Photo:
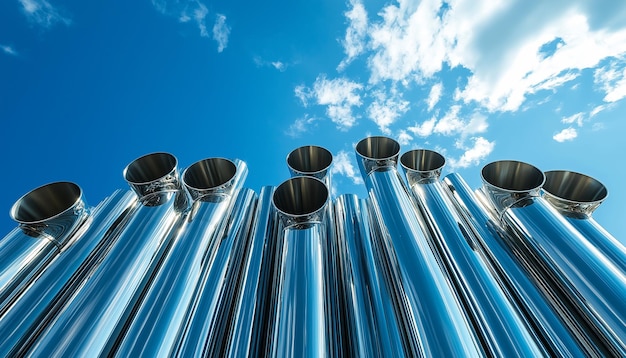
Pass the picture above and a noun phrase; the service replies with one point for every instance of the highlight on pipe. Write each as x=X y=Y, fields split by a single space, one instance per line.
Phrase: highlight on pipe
x=573 y=193
x=212 y=176
x=301 y=200
x=510 y=182
x=422 y=165
x=376 y=153
x=310 y=160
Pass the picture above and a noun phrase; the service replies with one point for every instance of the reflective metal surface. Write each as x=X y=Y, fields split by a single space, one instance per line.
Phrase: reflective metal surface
x=302 y=308
x=204 y=267
x=576 y=196
x=593 y=285
x=433 y=319
x=496 y=319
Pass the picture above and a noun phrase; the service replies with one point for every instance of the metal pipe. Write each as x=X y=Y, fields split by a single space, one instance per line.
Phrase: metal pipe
x=32 y=311
x=250 y=324
x=371 y=322
x=585 y=277
x=50 y=218
x=86 y=324
x=315 y=162
x=152 y=330
x=553 y=331
x=300 y=328
x=209 y=319
x=310 y=160
x=502 y=329
x=434 y=322
x=576 y=196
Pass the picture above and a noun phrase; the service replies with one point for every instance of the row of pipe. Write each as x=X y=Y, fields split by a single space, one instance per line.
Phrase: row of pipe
x=198 y=265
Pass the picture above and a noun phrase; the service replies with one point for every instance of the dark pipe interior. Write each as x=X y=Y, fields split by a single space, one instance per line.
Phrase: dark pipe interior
x=209 y=173
x=45 y=202
x=513 y=175
x=150 y=167
x=300 y=196
x=309 y=159
x=574 y=186
x=378 y=148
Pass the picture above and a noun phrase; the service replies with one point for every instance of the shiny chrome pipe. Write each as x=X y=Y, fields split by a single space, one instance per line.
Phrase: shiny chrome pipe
x=552 y=330
x=210 y=322
x=576 y=196
x=95 y=314
x=32 y=311
x=594 y=286
x=373 y=330
x=300 y=327
x=315 y=162
x=310 y=160
x=502 y=329
x=50 y=218
x=433 y=319
x=153 y=329
x=250 y=322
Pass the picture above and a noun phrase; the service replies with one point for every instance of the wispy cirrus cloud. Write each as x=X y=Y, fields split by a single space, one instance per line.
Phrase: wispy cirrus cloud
x=354 y=41
x=221 y=32
x=300 y=126
x=188 y=11
x=44 y=14
x=9 y=50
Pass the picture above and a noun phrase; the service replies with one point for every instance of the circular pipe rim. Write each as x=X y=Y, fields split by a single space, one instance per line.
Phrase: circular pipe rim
x=304 y=202
x=491 y=176
x=158 y=165
x=65 y=195
x=327 y=155
x=220 y=172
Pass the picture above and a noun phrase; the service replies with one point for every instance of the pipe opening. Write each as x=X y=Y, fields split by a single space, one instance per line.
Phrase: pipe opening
x=378 y=148
x=422 y=160
x=300 y=196
x=309 y=159
x=574 y=187
x=513 y=176
x=149 y=168
x=46 y=202
x=209 y=173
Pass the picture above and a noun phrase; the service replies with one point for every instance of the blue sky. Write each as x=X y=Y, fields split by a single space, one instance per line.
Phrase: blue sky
x=86 y=88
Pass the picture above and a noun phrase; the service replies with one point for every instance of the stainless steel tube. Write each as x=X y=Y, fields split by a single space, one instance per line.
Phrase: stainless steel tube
x=433 y=319
x=249 y=325
x=310 y=160
x=300 y=328
x=576 y=196
x=209 y=320
x=550 y=327
x=153 y=329
x=95 y=313
x=32 y=310
x=49 y=218
x=370 y=319
x=585 y=277
x=502 y=329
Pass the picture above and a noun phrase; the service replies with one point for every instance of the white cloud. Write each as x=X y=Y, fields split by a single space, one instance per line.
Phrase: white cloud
x=342 y=164
x=434 y=95
x=404 y=138
x=425 y=129
x=386 y=108
x=612 y=80
x=300 y=126
x=597 y=110
x=565 y=135
x=42 y=13
x=339 y=95
x=199 y=16
x=221 y=31
x=507 y=59
x=574 y=118
x=475 y=154
x=450 y=123
x=278 y=65
x=354 y=41
x=9 y=50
